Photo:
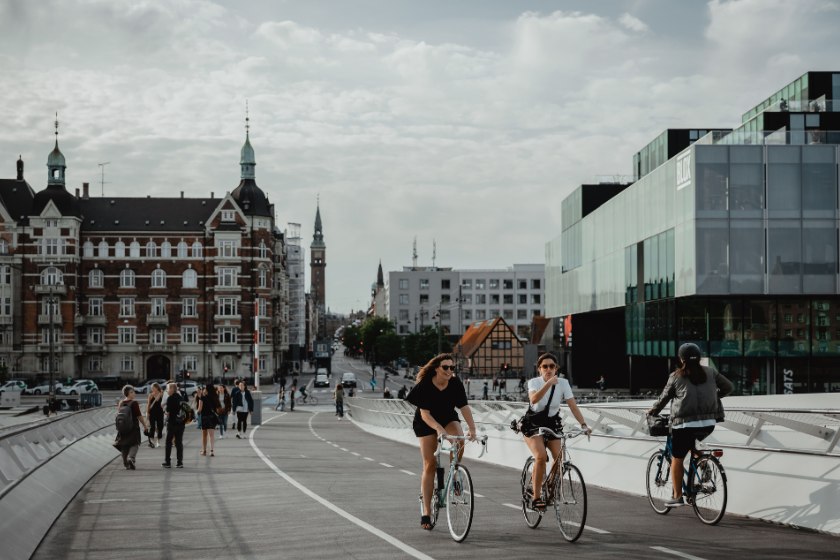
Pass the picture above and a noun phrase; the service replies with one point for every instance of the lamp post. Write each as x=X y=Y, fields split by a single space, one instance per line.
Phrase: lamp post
x=51 y=302
x=439 y=329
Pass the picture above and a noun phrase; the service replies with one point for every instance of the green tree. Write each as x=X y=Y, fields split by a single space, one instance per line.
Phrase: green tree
x=423 y=346
x=353 y=339
x=371 y=330
x=389 y=346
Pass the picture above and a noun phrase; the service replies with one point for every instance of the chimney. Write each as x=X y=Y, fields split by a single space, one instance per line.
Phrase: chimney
x=77 y=193
x=20 y=168
x=182 y=194
x=212 y=195
x=85 y=191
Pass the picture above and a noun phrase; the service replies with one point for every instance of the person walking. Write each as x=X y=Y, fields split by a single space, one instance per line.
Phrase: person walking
x=495 y=383
x=208 y=407
x=283 y=382
x=282 y=403
x=502 y=387
x=154 y=415
x=602 y=384
x=197 y=408
x=486 y=396
x=279 y=398
x=243 y=405
x=338 y=395
x=402 y=392
x=129 y=442
x=174 y=427
x=225 y=402
x=292 y=397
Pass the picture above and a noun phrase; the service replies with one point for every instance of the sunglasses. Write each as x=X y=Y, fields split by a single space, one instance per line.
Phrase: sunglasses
x=548 y=366
x=447 y=368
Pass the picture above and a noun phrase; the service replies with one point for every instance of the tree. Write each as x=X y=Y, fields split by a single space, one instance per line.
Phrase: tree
x=352 y=338
x=371 y=330
x=423 y=346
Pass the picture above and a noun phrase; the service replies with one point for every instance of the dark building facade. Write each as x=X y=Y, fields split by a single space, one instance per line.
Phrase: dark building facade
x=731 y=243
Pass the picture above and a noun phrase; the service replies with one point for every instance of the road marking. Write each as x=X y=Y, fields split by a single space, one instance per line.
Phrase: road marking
x=368 y=459
x=352 y=518
x=356 y=454
x=407 y=472
x=588 y=527
x=387 y=465
x=106 y=501
x=343 y=449
x=676 y=553
x=511 y=506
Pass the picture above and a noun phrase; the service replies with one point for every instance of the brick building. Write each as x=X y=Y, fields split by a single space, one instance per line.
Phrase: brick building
x=142 y=287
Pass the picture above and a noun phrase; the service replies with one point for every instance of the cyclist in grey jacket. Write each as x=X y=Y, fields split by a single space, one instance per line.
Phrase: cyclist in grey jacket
x=696 y=392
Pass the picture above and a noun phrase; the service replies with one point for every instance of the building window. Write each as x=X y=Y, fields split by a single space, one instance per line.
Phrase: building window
x=95 y=307
x=227 y=335
x=403 y=314
x=522 y=284
x=134 y=250
x=94 y=335
x=52 y=277
x=480 y=314
x=424 y=298
x=95 y=278
x=262 y=307
x=444 y=284
x=523 y=299
x=127 y=334
x=189 y=308
x=480 y=299
x=151 y=249
x=508 y=284
x=467 y=298
x=190 y=279
x=103 y=249
x=262 y=278
x=263 y=250
x=494 y=284
x=49 y=308
x=189 y=335
x=126 y=307
x=95 y=363
x=127 y=363
x=158 y=278
x=508 y=299
x=88 y=249
x=56 y=364
x=182 y=250
x=466 y=283
x=444 y=298
x=6 y=308
x=403 y=299
x=228 y=215
x=521 y=314
x=444 y=315
x=404 y=284
x=52 y=247
x=6 y=275
x=227 y=307
x=189 y=363
x=263 y=362
x=467 y=315
x=479 y=284
x=45 y=336
x=127 y=278
x=158 y=307
x=535 y=298
x=535 y=312
x=494 y=313
x=403 y=329
x=424 y=284
x=227 y=277
x=227 y=248
x=158 y=336
x=535 y=284
x=508 y=315
x=494 y=299
x=119 y=249
x=262 y=336
x=197 y=249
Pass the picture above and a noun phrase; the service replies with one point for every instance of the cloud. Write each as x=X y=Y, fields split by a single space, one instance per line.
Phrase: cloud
x=288 y=34
x=632 y=23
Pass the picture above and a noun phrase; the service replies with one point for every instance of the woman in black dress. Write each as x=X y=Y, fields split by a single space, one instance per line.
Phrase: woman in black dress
x=437 y=394
x=154 y=415
x=208 y=405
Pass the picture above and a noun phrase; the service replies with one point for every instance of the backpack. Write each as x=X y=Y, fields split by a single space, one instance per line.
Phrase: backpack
x=186 y=414
x=125 y=420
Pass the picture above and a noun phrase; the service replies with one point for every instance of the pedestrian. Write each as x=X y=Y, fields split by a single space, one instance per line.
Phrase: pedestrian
x=294 y=381
x=208 y=411
x=197 y=408
x=402 y=392
x=224 y=400
x=174 y=427
x=502 y=387
x=292 y=397
x=486 y=396
x=283 y=382
x=352 y=392
x=282 y=401
x=338 y=395
x=279 y=398
x=386 y=394
x=602 y=384
x=495 y=383
x=129 y=442
x=154 y=415
x=243 y=405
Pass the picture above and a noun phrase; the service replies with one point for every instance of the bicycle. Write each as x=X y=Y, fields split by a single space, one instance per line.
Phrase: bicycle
x=705 y=487
x=308 y=399
x=456 y=492
x=565 y=490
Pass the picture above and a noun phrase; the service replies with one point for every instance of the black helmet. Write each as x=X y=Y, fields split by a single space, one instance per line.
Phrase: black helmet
x=690 y=351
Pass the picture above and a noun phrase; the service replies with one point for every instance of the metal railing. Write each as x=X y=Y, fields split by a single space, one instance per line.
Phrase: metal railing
x=777 y=430
x=26 y=447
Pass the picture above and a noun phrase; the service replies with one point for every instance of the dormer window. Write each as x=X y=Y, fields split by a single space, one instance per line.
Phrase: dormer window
x=228 y=216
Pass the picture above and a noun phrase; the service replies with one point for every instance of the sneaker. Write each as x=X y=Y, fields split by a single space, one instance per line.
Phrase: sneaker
x=131 y=465
x=179 y=465
x=674 y=502
x=238 y=436
x=166 y=465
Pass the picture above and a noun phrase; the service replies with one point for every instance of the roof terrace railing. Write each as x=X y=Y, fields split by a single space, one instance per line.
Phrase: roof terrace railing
x=774 y=430
x=779 y=137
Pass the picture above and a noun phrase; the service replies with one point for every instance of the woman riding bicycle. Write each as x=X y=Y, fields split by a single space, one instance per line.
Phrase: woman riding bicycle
x=437 y=394
x=539 y=389
x=696 y=391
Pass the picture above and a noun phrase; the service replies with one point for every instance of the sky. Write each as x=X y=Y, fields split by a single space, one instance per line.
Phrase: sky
x=464 y=123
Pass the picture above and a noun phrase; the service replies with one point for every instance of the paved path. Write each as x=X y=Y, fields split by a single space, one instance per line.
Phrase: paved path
x=307 y=486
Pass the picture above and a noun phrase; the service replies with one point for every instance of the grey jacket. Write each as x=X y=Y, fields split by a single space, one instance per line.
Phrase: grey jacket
x=694 y=402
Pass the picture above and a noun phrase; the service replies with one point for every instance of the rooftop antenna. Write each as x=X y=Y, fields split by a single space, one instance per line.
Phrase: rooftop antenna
x=414 y=258
x=247 y=123
x=56 y=128
x=102 y=165
x=434 y=252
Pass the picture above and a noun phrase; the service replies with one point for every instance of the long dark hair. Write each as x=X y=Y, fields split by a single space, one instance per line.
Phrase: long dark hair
x=433 y=364
x=693 y=370
x=214 y=397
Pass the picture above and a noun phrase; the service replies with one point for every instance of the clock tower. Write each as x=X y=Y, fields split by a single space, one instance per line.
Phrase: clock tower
x=318 y=262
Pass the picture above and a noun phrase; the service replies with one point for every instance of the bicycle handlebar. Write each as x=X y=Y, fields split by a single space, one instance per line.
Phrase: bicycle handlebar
x=478 y=439
x=543 y=431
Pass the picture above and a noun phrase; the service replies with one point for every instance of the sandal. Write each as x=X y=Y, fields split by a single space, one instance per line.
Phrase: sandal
x=538 y=504
x=211 y=453
x=202 y=453
x=426 y=522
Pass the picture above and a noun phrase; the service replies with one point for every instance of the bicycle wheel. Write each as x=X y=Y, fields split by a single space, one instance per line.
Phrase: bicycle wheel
x=459 y=503
x=708 y=487
x=570 y=502
x=313 y=401
x=532 y=516
x=658 y=482
x=300 y=400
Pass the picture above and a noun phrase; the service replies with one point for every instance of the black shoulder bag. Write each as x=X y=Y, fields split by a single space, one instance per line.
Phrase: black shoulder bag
x=533 y=420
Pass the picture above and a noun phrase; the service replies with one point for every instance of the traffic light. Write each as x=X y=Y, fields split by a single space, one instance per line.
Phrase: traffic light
x=188 y=376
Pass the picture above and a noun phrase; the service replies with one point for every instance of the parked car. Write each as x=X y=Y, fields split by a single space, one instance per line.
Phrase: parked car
x=80 y=387
x=43 y=388
x=322 y=380
x=348 y=380
x=147 y=386
x=110 y=382
x=13 y=385
x=191 y=387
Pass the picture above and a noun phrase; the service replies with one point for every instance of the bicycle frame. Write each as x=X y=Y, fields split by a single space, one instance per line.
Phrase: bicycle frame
x=453 y=463
x=565 y=456
x=687 y=473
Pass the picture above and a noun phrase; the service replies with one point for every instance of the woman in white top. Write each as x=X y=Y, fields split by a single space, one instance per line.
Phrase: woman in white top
x=539 y=389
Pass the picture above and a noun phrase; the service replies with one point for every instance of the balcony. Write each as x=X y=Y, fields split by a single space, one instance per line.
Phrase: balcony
x=96 y=349
x=44 y=319
x=228 y=318
x=157 y=320
x=96 y=320
x=51 y=289
x=164 y=348
x=6 y=320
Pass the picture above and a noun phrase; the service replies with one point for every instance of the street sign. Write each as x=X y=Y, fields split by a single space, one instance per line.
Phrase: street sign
x=372 y=383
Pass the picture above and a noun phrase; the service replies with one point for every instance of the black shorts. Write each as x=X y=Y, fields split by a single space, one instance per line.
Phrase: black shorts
x=555 y=424
x=421 y=429
x=682 y=439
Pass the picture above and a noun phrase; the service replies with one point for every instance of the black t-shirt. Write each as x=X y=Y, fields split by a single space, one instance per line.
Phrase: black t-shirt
x=441 y=404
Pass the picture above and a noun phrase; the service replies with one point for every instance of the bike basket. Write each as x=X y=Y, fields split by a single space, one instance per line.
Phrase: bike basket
x=658 y=426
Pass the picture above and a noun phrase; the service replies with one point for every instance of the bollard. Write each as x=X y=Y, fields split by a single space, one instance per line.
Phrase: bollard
x=256 y=417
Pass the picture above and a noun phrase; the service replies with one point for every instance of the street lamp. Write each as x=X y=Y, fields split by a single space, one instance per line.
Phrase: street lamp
x=439 y=329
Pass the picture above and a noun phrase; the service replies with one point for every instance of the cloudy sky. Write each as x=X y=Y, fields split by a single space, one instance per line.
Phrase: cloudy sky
x=466 y=122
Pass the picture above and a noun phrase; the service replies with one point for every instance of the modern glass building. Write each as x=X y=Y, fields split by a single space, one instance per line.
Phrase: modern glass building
x=732 y=244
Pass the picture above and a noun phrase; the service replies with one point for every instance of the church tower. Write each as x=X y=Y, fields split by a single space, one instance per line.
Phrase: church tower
x=318 y=261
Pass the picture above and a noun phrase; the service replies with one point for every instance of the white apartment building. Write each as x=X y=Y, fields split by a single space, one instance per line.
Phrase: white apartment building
x=416 y=294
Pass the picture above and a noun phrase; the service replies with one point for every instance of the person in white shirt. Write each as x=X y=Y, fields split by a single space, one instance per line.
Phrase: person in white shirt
x=539 y=391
